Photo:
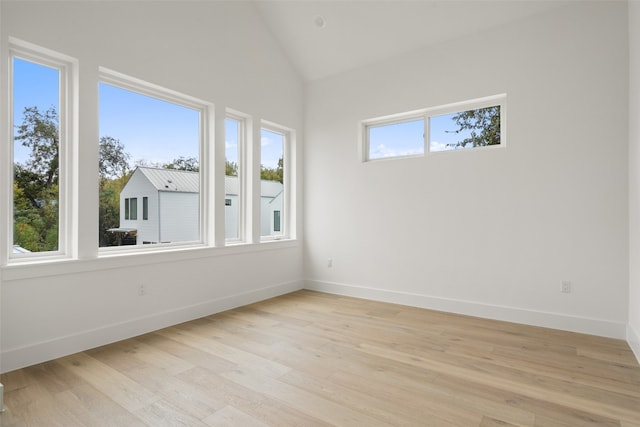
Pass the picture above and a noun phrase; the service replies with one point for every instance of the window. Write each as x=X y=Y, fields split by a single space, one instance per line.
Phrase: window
x=272 y=180
x=470 y=125
x=151 y=140
x=41 y=116
x=131 y=208
x=145 y=208
x=395 y=139
x=464 y=125
x=234 y=143
x=276 y=221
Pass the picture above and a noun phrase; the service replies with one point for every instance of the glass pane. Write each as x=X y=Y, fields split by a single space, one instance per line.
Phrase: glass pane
x=272 y=181
x=149 y=148
x=465 y=129
x=396 y=140
x=36 y=94
x=232 y=180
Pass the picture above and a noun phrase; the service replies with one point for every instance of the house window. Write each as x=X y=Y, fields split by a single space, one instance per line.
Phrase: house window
x=276 y=221
x=151 y=138
x=131 y=208
x=235 y=130
x=41 y=115
x=145 y=208
x=403 y=137
x=463 y=125
x=273 y=182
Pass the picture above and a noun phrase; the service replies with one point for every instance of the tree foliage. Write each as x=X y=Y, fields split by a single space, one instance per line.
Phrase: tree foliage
x=36 y=182
x=483 y=124
x=273 y=174
x=231 y=168
x=113 y=160
x=183 y=164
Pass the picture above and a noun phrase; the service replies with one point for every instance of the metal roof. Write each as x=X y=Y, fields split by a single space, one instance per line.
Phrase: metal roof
x=171 y=179
x=189 y=182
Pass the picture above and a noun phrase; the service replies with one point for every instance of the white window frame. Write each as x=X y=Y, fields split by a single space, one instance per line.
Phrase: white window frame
x=242 y=120
x=426 y=114
x=206 y=119
x=391 y=120
x=288 y=136
x=67 y=151
x=458 y=107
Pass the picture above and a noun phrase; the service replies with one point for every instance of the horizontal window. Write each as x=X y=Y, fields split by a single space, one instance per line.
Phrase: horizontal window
x=470 y=124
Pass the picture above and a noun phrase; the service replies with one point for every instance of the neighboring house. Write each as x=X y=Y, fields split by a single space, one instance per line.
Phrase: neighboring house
x=163 y=205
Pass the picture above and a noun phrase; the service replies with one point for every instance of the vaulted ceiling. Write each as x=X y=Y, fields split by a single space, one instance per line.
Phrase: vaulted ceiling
x=325 y=37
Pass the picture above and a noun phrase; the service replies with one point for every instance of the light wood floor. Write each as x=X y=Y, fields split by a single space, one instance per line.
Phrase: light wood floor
x=312 y=359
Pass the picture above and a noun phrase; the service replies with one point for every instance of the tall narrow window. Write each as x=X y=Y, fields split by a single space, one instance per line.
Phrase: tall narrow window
x=234 y=132
x=272 y=184
x=41 y=138
x=150 y=143
x=145 y=208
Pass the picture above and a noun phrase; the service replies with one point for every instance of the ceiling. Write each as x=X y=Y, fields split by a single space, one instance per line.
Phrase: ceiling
x=327 y=37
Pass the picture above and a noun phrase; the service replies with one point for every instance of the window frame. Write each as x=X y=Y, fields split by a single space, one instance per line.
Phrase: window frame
x=288 y=138
x=206 y=119
x=67 y=68
x=243 y=131
x=458 y=107
x=395 y=119
x=426 y=114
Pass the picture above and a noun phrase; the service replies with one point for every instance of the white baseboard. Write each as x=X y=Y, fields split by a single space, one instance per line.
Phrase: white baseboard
x=564 y=322
x=633 y=338
x=62 y=346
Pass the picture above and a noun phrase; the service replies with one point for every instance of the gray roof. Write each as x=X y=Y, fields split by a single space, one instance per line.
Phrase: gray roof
x=171 y=179
x=189 y=182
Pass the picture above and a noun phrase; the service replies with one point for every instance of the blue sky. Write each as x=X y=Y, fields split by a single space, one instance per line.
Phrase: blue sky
x=151 y=130
x=406 y=138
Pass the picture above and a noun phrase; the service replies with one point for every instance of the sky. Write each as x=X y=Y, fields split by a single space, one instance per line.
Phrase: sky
x=406 y=138
x=152 y=131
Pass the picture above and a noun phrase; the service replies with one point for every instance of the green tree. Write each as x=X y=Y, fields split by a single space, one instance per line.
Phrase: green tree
x=231 y=168
x=114 y=171
x=183 y=164
x=484 y=124
x=36 y=191
x=273 y=174
x=113 y=160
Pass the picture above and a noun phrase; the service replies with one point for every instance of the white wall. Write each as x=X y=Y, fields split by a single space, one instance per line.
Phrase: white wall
x=633 y=331
x=489 y=232
x=216 y=51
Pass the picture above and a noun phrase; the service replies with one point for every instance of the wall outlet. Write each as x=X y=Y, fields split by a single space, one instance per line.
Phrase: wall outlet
x=142 y=290
x=565 y=287
x=330 y=262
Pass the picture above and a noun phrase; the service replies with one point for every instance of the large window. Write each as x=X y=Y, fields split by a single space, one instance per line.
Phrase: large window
x=272 y=182
x=42 y=138
x=233 y=198
x=150 y=144
x=470 y=124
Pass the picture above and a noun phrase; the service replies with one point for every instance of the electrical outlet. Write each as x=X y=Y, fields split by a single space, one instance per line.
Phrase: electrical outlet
x=330 y=263
x=141 y=290
x=565 y=287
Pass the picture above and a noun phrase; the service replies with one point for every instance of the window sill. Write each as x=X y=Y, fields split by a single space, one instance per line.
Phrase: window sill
x=133 y=258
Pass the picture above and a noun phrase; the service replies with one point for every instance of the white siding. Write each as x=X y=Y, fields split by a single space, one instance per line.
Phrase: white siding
x=179 y=217
x=139 y=186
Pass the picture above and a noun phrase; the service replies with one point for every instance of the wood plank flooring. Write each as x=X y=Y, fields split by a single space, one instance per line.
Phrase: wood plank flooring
x=313 y=359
